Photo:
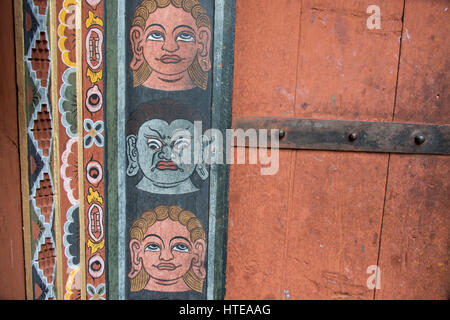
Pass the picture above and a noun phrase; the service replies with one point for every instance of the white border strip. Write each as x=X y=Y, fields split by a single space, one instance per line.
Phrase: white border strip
x=219 y=13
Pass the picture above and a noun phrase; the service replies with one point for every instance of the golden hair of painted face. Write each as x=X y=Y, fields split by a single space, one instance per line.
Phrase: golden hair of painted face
x=197 y=74
x=176 y=214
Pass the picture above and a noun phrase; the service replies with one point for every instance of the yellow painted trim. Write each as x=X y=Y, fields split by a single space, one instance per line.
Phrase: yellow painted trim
x=23 y=141
x=56 y=163
x=79 y=51
x=61 y=33
x=70 y=282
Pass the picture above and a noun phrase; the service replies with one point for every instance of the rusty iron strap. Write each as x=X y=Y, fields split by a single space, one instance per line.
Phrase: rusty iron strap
x=343 y=135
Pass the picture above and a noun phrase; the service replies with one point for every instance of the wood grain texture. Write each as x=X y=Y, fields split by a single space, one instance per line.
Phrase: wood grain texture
x=414 y=252
x=423 y=87
x=334 y=201
x=12 y=272
x=336 y=210
x=414 y=243
x=345 y=70
x=265 y=57
x=264 y=83
x=333 y=224
x=256 y=230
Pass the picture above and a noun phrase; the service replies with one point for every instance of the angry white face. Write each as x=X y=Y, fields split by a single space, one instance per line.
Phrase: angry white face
x=165 y=154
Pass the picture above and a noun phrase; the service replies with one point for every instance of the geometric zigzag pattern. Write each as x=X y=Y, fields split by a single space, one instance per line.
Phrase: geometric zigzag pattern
x=43 y=147
x=40 y=134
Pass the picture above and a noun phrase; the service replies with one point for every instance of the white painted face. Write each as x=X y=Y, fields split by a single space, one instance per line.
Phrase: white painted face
x=165 y=152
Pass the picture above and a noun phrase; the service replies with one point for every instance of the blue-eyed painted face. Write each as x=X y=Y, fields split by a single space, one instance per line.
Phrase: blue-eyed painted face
x=167 y=253
x=170 y=43
x=168 y=250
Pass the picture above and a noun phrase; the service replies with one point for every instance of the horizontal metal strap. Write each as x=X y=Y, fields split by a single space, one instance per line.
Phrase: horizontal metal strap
x=343 y=135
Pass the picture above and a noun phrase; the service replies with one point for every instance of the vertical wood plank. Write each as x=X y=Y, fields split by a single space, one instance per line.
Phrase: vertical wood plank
x=333 y=227
x=256 y=231
x=414 y=245
x=345 y=71
x=12 y=272
x=264 y=84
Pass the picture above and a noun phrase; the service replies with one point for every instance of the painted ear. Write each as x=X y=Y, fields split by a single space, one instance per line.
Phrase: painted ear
x=204 y=39
x=132 y=155
x=136 y=260
x=136 y=38
x=205 y=158
x=207 y=148
x=198 y=263
x=202 y=171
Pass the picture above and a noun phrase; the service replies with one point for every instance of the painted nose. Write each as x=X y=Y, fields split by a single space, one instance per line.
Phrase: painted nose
x=170 y=45
x=166 y=255
x=165 y=153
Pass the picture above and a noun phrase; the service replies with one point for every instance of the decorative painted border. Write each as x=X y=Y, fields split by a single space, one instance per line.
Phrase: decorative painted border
x=92 y=141
x=221 y=119
x=62 y=128
x=63 y=30
x=36 y=132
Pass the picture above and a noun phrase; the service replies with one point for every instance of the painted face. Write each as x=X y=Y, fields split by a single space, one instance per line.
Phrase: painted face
x=170 y=44
x=164 y=151
x=167 y=251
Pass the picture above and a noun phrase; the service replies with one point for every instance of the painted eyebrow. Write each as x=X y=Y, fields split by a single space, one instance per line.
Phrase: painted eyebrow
x=154 y=235
x=157 y=132
x=180 y=129
x=183 y=26
x=179 y=237
x=155 y=25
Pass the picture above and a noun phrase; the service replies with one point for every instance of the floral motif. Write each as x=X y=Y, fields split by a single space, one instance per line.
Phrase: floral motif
x=96 y=293
x=66 y=32
x=94 y=133
x=69 y=170
x=68 y=102
x=71 y=237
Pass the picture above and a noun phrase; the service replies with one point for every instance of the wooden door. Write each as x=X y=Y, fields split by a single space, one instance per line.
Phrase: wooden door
x=321 y=226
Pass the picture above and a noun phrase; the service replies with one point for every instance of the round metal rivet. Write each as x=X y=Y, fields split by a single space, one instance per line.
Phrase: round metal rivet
x=419 y=139
x=353 y=136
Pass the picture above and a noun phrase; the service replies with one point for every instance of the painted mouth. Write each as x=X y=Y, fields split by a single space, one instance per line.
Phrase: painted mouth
x=166 y=266
x=168 y=59
x=167 y=165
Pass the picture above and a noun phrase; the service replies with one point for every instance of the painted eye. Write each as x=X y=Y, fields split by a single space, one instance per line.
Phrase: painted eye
x=185 y=37
x=154 y=144
x=156 y=36
x=181 y=144
x=181 y=248
x=152 y=247
x=96 y=266
x=94 y=172
x=94 y=99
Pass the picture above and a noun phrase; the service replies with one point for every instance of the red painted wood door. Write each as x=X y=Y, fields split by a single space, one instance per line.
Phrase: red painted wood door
x=318 y=228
